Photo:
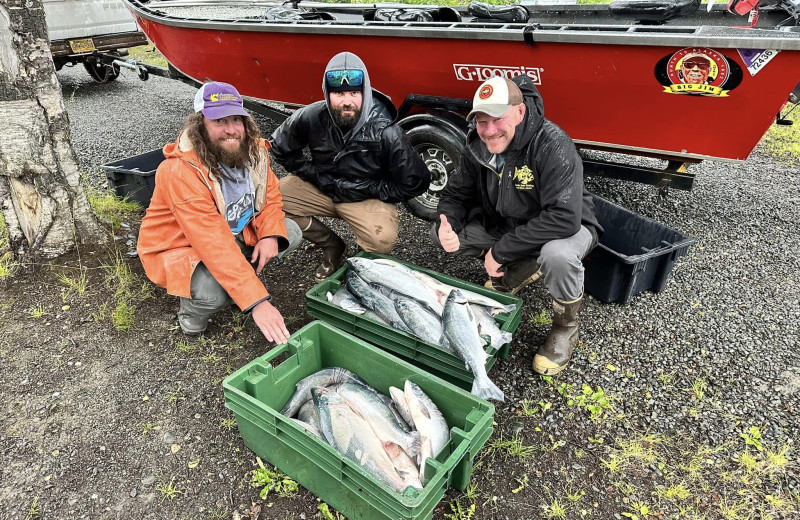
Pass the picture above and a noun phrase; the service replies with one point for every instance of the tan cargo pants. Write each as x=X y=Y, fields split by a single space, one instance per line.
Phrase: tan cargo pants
x=373 y=222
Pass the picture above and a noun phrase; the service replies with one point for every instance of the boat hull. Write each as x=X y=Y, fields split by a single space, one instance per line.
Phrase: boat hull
x=620 y=97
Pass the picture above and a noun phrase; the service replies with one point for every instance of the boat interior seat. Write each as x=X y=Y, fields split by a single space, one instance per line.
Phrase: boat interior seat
x=652 y=11
x=412 y=14
x=498 y=13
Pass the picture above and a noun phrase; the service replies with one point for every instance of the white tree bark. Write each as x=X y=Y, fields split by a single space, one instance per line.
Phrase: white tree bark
x=41 y=197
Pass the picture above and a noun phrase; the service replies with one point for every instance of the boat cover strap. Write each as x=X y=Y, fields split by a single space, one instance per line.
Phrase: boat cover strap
x=652 y=11
x=504 y=13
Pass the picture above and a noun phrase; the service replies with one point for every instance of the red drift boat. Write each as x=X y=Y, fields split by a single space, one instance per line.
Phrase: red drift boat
x=659 y=78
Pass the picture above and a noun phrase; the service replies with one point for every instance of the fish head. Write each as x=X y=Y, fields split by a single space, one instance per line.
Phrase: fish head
x=456 y=296
x=323 y=396
x=359 y=264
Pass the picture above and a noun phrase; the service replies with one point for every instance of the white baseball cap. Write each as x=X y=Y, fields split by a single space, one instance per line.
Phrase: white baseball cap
x=495 y=96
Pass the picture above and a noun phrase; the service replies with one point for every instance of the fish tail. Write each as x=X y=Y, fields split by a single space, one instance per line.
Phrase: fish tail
x=505 y=337
x=486 y=389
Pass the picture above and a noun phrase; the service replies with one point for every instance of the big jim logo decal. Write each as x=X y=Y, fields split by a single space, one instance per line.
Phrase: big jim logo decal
x=698 y=71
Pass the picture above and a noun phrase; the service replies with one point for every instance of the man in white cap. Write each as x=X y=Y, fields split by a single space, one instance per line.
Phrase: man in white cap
x=216 y=216
x=519 y=204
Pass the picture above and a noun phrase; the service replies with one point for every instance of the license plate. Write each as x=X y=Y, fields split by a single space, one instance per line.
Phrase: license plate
x=85 y=45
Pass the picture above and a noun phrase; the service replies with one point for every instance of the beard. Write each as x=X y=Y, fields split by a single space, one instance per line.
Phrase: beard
x=346 y=122
x=235 y=158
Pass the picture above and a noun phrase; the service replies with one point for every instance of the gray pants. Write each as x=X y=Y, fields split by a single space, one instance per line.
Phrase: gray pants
x=559 y=260
x=208 y=296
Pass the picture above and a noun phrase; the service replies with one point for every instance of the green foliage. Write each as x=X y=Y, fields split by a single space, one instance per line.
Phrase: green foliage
x=147 y=54
x=122 y=315
x=541 y=319
x=7 y=265
x=269 y=480
x=109 y=208
x=76 y=284
x=169 y=490
x=512 y=448
x=783 y=142
x=37 y=312
x=753 y=438
x=327 y=514
x=460 y=512
x=596 y=402
x=35 y=510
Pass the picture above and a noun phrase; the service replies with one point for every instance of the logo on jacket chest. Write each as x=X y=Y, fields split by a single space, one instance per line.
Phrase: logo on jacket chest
x=523 y=178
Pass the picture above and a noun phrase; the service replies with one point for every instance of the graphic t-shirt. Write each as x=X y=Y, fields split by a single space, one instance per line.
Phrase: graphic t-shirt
x=239 y=193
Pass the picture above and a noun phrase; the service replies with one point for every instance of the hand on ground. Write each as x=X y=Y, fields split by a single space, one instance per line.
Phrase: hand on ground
x=270 y=321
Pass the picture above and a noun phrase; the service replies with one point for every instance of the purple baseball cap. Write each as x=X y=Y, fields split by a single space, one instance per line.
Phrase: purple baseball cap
x=217 y=100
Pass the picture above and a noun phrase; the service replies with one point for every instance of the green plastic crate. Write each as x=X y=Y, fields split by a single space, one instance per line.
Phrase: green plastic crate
x=256 y=392
x=420 y=353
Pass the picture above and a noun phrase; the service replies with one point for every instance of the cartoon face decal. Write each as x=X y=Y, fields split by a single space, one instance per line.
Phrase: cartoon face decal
x=698 y=71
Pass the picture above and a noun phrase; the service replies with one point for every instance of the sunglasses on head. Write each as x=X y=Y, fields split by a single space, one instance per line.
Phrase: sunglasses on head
x=700 y=64
x=350 y=78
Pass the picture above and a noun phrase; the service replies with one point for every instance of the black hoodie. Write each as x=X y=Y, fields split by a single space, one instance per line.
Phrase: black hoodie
x=539 y=195
x=373 y=161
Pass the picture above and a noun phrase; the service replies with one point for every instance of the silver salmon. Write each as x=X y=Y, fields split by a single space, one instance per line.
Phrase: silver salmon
x=375 y=301
x=342 y=298
x=461 y=329
x=488 y=327
x=368 y=404
x=398 y=280
x=351 y=435
x=324 y=377
x=429 y=422
x=443 y=290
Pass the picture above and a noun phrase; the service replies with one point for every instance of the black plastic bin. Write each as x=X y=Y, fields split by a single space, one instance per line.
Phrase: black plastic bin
x=635 y=254
x=135 y=177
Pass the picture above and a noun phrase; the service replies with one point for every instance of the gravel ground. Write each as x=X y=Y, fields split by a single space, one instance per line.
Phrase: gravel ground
x=712 y=355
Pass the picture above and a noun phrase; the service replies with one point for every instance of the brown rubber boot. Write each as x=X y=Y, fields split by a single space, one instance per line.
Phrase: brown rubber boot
x=334 y=250
x=553 y=356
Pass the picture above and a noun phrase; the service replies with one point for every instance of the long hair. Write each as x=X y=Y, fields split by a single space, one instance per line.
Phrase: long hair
x=198 y=136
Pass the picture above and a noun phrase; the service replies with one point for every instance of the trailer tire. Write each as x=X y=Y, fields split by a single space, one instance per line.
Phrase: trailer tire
x=100 y=72
x=440 y=148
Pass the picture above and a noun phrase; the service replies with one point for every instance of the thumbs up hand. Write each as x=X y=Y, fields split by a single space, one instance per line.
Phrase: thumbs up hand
x=447 y=236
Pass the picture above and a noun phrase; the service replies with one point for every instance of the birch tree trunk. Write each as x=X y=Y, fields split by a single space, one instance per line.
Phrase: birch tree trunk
x=41 y=199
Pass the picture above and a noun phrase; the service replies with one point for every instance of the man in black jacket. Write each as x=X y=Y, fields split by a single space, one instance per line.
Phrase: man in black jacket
x=361 y=164
x=519 y=203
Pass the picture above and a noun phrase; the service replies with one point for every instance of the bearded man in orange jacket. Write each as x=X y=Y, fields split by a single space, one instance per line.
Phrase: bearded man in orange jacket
x=216 y=209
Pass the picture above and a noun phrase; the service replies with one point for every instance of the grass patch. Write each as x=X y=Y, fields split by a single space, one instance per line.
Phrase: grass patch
x=783 y=142
x=7 y=265
x=169 y=490
x=147 y=54
x=512 y=448
x=661 y=477
x=109 y=208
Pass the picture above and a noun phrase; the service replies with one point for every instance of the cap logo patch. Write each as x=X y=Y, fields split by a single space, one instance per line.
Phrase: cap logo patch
x=486 y=92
